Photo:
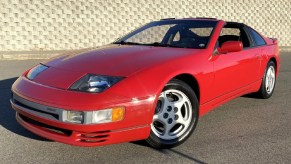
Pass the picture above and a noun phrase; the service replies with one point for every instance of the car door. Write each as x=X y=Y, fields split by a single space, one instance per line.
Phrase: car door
x=236 y=70
x=258 y=48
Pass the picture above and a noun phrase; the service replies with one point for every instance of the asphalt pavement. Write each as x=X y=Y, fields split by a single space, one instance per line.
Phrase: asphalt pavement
x=244 y=130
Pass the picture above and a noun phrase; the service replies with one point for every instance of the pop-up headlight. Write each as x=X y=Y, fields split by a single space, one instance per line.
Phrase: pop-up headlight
x=94 y=83
x=35 y=71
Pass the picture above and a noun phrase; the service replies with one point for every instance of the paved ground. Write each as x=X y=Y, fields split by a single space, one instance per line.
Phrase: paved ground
x=245 y=130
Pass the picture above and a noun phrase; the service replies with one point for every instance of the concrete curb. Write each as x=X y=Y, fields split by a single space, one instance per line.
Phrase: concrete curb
x=25 y=55
x=285 y=49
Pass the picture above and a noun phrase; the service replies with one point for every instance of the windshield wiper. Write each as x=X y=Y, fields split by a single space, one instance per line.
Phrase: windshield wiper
x=163 y=45
x=157 y=44
x=127 y=43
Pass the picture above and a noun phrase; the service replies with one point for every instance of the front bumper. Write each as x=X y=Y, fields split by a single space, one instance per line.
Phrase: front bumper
x=34 y=114
x=98 y=138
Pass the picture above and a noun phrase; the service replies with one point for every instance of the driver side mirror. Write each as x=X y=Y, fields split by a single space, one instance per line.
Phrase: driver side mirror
x=230 y=46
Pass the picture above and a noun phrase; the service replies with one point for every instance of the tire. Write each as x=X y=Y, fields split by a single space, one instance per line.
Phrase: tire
x=175 y=117
x=269 y=81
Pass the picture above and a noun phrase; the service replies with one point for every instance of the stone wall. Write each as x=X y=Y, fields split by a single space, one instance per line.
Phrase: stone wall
x=33 y=25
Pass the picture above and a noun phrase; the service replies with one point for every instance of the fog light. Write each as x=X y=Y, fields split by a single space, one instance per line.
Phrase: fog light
x=108 y=115
x=74 y=117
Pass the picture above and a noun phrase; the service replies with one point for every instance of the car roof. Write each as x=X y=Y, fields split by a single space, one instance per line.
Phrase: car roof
x=198 y=18
x=235 y=24
x=229 y=23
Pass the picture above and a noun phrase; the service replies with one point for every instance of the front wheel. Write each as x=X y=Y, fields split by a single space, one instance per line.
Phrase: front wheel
x=268 y=82
x=176 y=116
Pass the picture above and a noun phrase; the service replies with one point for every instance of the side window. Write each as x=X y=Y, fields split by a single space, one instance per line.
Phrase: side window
x=177 y=37
x=233 y=33
x=230 y=31
x=228 y=34
x=257 y=38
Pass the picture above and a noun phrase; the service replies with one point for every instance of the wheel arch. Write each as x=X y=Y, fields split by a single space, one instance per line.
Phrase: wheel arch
x=191 y=81
x=275 y=61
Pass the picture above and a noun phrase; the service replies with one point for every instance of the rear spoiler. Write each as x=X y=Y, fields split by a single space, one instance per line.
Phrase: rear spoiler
x=275 y=40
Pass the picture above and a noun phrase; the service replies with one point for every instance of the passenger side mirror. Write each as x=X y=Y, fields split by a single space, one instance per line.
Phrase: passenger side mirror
x=230 y=46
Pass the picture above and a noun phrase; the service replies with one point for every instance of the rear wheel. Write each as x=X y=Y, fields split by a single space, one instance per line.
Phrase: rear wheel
x=175 y=117
x=268 y=82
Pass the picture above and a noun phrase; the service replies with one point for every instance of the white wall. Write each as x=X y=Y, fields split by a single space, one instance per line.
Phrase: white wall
x=71 y=24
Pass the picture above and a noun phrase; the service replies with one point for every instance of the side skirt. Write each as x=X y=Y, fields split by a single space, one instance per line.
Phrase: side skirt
x=207 y=107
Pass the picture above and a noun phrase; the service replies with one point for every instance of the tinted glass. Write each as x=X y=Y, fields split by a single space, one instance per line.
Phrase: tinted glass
x=257 y=38
x=172 y=33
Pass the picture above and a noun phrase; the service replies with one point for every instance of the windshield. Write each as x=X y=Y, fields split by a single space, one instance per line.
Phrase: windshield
x=172 y=33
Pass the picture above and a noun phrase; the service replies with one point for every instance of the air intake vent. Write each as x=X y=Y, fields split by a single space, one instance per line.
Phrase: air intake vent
x=95 y=137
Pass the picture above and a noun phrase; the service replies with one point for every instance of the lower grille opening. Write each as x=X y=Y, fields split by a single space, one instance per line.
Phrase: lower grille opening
x=92 y=136
x=47 y=127
x=91 y=141
x=100 y=136
x=56 y=116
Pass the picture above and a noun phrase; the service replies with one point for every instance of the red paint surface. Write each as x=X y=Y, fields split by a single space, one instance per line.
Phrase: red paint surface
x=146 y=71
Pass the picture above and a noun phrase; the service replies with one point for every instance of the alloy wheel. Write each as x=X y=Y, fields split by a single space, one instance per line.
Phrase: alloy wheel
x=173 y=115
x=270 y=79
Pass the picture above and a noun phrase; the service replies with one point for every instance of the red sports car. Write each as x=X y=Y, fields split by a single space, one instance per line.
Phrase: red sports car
x=151 y=84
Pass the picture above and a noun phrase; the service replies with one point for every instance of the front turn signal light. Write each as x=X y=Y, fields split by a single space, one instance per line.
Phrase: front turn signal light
x=117 y=114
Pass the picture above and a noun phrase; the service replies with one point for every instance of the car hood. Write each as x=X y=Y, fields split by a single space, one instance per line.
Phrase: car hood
x=116 y=60
x=111 y=60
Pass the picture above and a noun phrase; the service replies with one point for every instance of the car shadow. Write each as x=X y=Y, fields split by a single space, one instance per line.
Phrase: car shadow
x=189 y=157
x=252 y=96
x=169 y=152
x=7 y=114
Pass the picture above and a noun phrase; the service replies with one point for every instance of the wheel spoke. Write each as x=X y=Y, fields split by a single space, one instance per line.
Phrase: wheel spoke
x=273 y=74
x=168 y=128
x=266 y=83
x=179 y=103
x=269 y=73
x=156 y=117
x=159 y=117
x=165 y=101
x=181 y=120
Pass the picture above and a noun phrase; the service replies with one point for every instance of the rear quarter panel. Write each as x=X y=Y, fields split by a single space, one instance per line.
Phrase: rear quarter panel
x=270 y=51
